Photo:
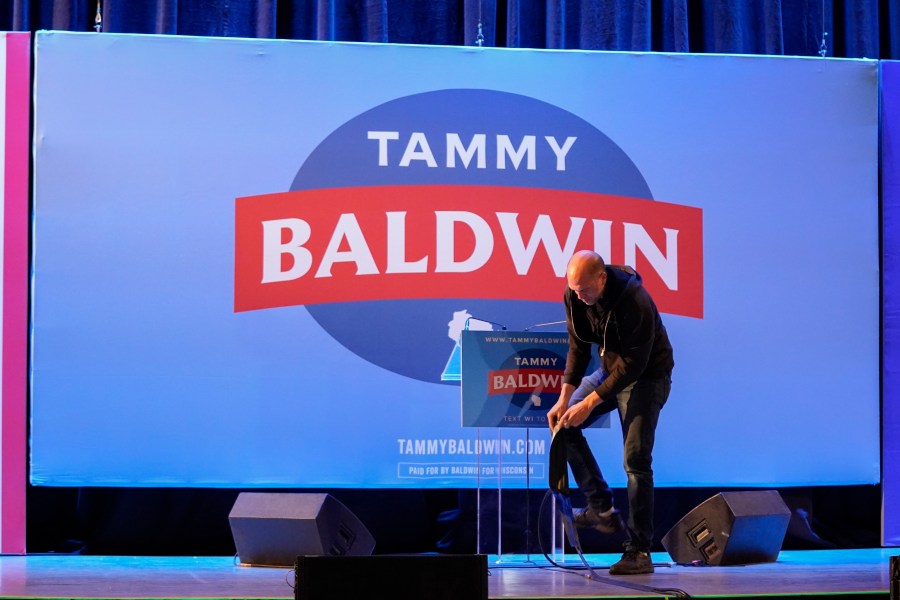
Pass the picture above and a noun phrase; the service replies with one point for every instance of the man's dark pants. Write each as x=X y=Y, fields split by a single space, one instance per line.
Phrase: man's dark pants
x=639 y=405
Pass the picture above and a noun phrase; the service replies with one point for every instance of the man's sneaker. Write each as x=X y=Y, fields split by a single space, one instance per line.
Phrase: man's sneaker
x=609 y=522
x=632 y=563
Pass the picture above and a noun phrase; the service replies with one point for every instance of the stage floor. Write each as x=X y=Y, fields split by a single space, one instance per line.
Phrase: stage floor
x=807 y=573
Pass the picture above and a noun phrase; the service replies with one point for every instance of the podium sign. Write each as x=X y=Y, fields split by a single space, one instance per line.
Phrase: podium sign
x=512 y=378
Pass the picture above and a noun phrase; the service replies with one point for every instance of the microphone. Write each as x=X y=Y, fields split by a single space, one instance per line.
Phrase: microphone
x=530 y=327
x=501 y=326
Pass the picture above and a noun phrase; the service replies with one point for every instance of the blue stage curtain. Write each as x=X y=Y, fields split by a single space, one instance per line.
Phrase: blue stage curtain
x=855 y=28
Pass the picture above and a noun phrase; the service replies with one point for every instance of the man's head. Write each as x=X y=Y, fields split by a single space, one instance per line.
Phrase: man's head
x=586 y=276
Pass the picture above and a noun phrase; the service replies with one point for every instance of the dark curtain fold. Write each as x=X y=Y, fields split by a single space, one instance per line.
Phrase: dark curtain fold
x=417 y=22
x=614 y=26
x=670 y=27
x=889 y=28
x=844 y=28
x=66 y=15
x=861 y=31
x=740 y=27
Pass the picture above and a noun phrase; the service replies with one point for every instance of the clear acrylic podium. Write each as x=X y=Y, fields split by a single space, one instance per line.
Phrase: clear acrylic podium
x=508 y=381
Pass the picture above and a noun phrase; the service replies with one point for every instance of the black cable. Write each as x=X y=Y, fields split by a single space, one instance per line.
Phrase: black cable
x=679 y=593
x=547 y=494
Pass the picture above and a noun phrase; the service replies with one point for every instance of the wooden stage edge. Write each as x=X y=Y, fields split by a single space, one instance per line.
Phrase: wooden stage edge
x=808 y=573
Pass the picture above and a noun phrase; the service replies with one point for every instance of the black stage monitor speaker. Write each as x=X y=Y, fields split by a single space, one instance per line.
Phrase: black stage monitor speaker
x=398 y=577
x=731 y=528
x=272 y=529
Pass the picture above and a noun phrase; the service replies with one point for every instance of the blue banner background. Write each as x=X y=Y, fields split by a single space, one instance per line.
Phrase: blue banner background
x=142 y=373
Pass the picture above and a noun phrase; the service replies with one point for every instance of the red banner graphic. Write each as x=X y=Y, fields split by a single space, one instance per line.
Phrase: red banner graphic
x=452 y=241
x=524 y=381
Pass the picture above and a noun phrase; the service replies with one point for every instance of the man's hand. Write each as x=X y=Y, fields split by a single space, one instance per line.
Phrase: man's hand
x=571 y=416
x=579 y=412
x=555 y=414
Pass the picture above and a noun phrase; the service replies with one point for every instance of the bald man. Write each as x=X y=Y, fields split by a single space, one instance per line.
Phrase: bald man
x=608 y=308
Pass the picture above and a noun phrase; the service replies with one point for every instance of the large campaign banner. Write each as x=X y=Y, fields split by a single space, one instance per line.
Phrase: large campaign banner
x=15 y=76
x=253 y=259
x=890 y=182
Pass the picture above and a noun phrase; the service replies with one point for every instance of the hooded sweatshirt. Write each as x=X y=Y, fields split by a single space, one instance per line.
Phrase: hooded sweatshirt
x=626 y=327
